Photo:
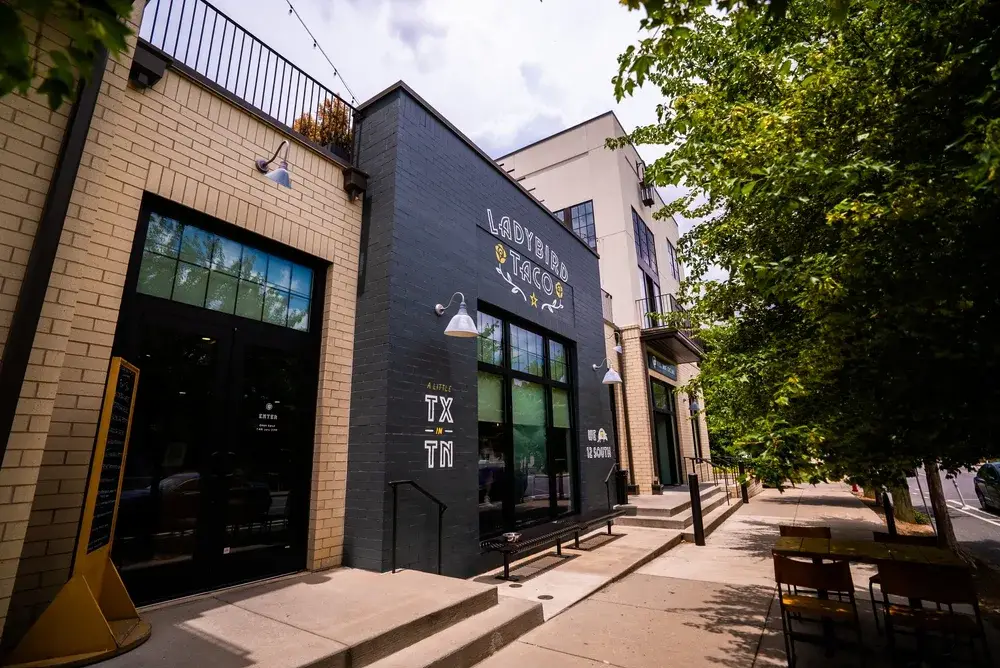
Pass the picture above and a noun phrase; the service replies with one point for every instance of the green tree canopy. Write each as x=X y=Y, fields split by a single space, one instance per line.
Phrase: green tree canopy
x=845 y=160
x=90 y=26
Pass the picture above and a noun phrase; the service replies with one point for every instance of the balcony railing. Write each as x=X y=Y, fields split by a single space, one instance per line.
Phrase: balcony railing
x=206 y=43
x=654 y=313
x=606 y=306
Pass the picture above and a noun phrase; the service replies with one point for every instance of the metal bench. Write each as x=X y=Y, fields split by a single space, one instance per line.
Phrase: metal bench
x=550 y=533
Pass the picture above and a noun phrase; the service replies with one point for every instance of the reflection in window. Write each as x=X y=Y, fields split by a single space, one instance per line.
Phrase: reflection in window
x=662 y=399
x=526 y=352
x=557 y=362
x=531 y=472
x=490 y=341
x=186 y=264
x=559 y=446
x=645 y=246
x=492 y=466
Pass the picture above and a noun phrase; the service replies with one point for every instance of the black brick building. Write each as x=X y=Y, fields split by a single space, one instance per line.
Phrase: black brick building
x=441 y=217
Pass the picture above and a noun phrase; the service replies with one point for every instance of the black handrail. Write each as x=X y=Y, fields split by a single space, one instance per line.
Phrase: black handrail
x=210 y=45
x=394 y=484
x=607 y=486
x=716 y=466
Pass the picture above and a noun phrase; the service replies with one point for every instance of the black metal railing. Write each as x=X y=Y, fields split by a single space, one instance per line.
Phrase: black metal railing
x=395 y=506
x=663 y=311
x=206 y=43
x=606 y=306
x=716 y=470
x=607 y=483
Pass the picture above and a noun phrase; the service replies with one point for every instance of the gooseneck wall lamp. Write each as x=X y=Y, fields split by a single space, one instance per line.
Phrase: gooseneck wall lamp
x=280 y=175
x=461 y=325
x=611 y=377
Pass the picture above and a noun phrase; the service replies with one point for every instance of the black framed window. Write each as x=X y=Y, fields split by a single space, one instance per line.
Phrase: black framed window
x=645 y=246
x=526 y=467
x=675 y=270
x=580 y=219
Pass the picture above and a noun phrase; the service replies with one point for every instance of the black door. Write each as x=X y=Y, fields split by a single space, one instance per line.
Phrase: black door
x=665 y=432
x=216 y=482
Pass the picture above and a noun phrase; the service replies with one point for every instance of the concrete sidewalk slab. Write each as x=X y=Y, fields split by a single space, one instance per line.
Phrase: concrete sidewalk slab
x=581 y=573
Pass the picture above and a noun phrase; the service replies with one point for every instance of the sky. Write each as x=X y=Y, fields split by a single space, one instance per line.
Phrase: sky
x=505 y=72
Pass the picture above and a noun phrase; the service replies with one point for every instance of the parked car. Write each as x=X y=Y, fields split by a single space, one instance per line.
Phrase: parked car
x=988 y=485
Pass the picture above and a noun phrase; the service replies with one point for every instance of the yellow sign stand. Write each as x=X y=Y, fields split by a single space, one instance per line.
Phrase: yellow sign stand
x=92 y=618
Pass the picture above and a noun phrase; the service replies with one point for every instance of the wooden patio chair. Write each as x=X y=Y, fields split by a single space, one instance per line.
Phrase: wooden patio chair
x=790 y=574
x=804 y=532
x=946 y=586
x=883 y=537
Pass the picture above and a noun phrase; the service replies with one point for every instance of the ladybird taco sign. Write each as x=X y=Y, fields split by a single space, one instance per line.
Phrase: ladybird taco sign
x=528 y=265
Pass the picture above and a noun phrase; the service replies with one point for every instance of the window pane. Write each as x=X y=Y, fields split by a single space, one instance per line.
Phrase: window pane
x=279 y=273
x=492 y=476
x=190 y=284
x=490 y=397
x=276 y=307
x=254 y=265
x=560 y=408
x=226 y=257
x=526 y=351
x=662 y=398
x=196 y=246
x=249 y=300
x=163 y=235
x=298 y=313
x=557 y=362
x=490 y=341
x=221 y=293
x=156 y=275
x=531 y=476
x=302 y=280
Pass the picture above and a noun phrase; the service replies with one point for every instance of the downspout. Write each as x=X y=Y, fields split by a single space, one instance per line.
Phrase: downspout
x=28 y=310
x=628 y=430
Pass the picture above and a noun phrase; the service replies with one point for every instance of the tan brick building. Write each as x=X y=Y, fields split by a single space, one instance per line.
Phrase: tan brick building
x=184 y=148
x=600 y=194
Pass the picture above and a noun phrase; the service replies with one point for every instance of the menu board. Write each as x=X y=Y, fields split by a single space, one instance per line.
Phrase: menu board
x=110 y=470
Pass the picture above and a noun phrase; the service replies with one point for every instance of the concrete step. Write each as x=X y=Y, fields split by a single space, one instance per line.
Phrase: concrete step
x=471 y=640
x=714 y=519
x=708 y=494
x=681 y=520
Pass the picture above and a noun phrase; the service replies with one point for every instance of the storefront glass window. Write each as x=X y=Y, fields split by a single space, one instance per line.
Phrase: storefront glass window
x=526 y=472
x=531 y=474
x=662 y=398
x=557 y=362
x=492 y=464
x=490 y=341
x=526 y=351
x=186 y=264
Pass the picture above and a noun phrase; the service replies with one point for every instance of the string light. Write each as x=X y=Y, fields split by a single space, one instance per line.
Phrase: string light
x=336 y=72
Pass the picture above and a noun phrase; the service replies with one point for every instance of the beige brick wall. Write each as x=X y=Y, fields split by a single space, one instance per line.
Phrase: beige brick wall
x=187 y=144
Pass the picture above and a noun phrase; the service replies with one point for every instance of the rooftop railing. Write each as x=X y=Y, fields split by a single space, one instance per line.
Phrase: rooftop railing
x=213 y=48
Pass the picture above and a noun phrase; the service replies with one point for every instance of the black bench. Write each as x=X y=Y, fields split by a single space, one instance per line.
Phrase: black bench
x=586 y=522
x=543 y=535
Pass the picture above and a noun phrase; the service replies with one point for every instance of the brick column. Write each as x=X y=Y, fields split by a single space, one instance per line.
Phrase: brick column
x=637 y=390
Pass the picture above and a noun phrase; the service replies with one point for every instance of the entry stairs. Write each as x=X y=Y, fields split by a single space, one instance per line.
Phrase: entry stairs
x=345 y=618
x=672 y=510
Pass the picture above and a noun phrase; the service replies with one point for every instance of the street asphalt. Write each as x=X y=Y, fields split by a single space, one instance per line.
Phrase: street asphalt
x=977 y=529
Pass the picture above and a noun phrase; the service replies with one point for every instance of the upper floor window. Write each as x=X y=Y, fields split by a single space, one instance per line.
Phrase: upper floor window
x=645 y=246
x=675 y=270
x=580 y=219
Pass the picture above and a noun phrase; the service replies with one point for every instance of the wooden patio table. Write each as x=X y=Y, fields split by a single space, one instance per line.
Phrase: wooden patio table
x=865 y=551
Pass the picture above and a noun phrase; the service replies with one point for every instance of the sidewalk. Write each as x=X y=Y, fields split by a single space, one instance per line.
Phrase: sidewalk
x=707 y=606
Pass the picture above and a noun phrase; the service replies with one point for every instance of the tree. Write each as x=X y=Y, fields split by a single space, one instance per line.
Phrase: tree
x=90 y=25
x=846 y=162
x=331 y=126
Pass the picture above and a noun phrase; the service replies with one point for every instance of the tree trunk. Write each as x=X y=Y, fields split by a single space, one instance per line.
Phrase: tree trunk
x=903 y=503
x=946 y=532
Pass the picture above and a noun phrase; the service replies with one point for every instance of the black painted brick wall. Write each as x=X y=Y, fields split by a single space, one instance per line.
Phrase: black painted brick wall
x=429 y=195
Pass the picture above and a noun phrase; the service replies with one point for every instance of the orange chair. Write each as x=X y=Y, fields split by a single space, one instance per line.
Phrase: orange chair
x=833 y=577
x=947 y=586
